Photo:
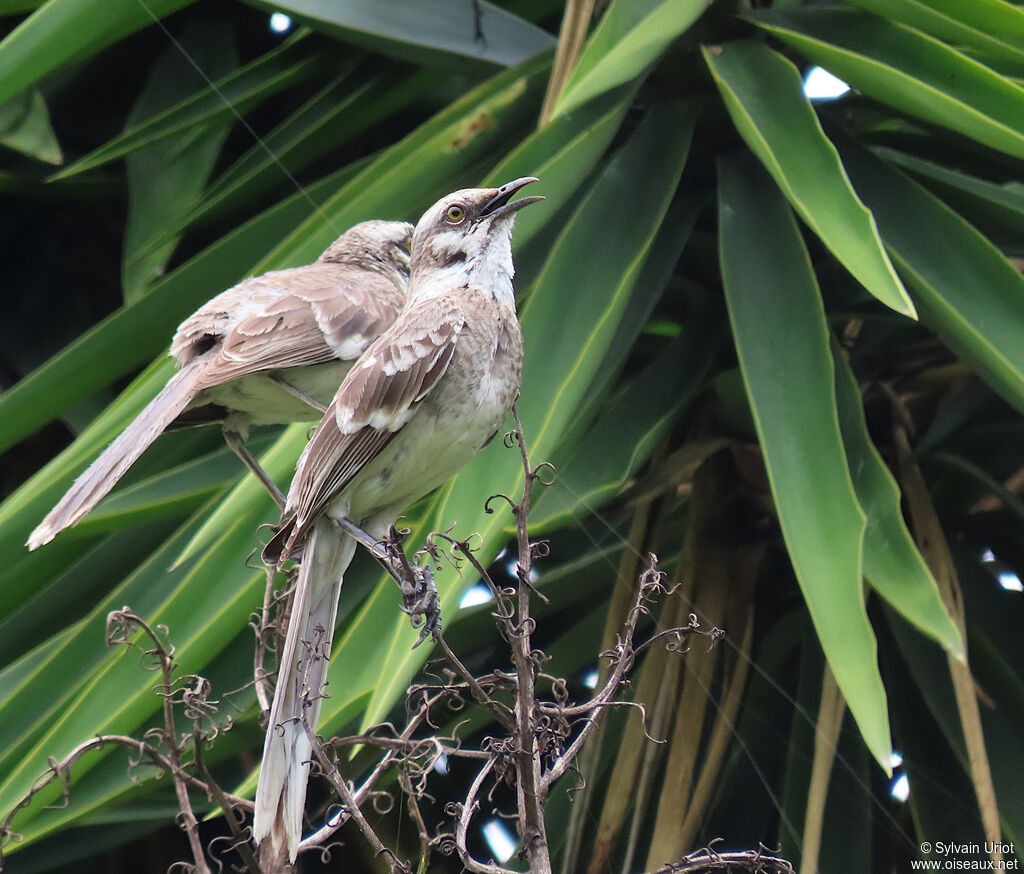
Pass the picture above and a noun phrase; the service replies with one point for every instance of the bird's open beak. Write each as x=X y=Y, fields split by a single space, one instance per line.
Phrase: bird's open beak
x=499 y=204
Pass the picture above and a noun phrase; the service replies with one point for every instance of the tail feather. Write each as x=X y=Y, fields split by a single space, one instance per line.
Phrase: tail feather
x=102 y=475
x=302 y=669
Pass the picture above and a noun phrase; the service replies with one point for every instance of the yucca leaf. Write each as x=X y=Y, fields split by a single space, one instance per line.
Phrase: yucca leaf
x=61 y=32
x=782 y=342
x=908 y=70
x=764 y=95
x=428 y=31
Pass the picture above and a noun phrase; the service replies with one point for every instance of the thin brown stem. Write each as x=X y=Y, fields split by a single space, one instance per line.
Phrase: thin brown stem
x=352 y=805
x=529 y=784
x=468 y=808
x=499 y=711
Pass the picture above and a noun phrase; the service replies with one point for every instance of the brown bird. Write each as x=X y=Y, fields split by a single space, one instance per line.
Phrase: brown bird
x=419 y=403
x=270 y=350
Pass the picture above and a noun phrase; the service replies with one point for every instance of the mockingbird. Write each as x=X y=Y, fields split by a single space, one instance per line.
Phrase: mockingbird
x=270 y=350
x=419 y=403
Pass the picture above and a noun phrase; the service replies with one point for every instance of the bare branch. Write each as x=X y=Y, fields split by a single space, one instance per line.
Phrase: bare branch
x=757 y=861
x=465 y=817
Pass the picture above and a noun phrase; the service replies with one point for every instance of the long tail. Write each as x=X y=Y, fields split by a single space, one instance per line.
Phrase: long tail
x=102 y=475
x=302 y=669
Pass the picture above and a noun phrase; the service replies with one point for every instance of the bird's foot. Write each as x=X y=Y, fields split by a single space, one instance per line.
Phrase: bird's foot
x=416 y=582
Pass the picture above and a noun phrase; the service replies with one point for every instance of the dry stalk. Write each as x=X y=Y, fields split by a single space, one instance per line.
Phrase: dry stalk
x=540 y=732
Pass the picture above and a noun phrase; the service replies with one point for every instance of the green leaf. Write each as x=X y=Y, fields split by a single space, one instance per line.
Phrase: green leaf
x=27 y=505
x=431 y=161
x=60 y=597
x=77 y=689
x=782 y=342
x=627 y=42
x=167 y=176
x=224 y=99
x=908 y=70
x=141 y=330
x=61 y=32
x=764 y=95
x=338 y=113
x=175 y=492
x=995 y=209
x=892 y=564
x=648 y=289
x=623 y=437
x=248 y=499
x=965 y=289
x=14 y=7
x=427 y=31
x=993 y=27
x=25 y=127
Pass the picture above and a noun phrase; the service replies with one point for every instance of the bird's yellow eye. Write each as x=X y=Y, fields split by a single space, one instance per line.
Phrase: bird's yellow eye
x=455 y=213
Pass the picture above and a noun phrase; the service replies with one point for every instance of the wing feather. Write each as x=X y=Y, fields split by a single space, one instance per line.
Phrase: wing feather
x=290 y=318
x=373 y=404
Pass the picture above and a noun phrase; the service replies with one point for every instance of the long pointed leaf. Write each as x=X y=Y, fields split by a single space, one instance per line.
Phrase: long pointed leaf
x=427 y=31
x=625 y=45
x=993 y=27
x=25 y=127
x=167 y=176
x=908 y=70
x=621 y=439
x=966 y=290
x=224 y=99
x=892 y=564
x=782 y=341
x=997 y=210
x=61 y=32
x=764 y=95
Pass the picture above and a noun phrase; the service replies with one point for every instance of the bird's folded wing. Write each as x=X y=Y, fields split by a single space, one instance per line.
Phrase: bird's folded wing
x=292 y=318
x=376 y=400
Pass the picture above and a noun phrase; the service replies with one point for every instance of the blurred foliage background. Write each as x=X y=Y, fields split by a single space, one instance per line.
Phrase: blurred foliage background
x=777 y=342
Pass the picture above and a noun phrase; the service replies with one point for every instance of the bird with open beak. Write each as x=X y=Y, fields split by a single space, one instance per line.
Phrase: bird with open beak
x=420 y=402
x=272 y=349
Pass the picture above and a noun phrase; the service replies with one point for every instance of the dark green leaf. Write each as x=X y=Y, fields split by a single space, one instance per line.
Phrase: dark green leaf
x=167 y=176
x=61 y=32
x=222 y=100
x=627 y=42
x=25 y=127
x=764 y=95
x=427 y=31
x=892 y=564
x=782 y=341
x=966 y=290
x=908 y=70
x=992 y=27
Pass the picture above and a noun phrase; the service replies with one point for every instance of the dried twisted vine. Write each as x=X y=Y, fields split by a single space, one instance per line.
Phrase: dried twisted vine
x=540 y=731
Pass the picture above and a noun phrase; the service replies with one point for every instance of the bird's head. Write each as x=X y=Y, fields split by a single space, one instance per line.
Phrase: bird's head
x=471 y=226
x=374 y=244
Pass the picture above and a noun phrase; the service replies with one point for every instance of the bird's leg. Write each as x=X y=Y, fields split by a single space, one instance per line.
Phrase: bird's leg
x=236 y=443
x=299 y=393
x=419 y=591
x=361 y=535
x=420 y=599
